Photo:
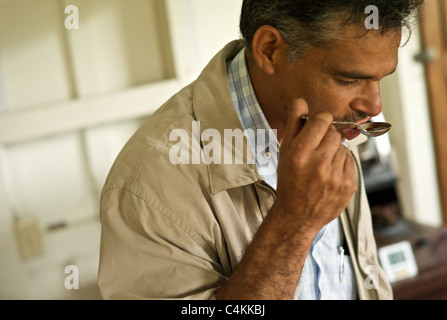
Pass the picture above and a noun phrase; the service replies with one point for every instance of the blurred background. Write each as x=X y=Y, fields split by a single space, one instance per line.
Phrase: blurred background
x=76 y=84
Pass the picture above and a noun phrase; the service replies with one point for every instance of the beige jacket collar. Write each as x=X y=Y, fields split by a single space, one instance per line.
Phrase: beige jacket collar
x=214 y=109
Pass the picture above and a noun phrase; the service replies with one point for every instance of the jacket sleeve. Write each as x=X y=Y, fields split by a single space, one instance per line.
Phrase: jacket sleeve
x=148 y=252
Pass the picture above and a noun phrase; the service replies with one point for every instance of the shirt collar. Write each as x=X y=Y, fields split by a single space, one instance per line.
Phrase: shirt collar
x=248 y=109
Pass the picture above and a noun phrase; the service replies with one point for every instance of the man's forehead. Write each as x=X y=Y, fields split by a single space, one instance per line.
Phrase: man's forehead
x=354 y=56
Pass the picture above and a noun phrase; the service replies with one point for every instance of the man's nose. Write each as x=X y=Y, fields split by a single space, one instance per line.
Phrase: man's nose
x=371 y=102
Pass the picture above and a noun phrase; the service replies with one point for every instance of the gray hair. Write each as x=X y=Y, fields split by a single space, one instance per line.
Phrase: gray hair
x=317 y=23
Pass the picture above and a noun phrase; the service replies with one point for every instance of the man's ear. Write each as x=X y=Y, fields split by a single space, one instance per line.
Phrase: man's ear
x=268 y=48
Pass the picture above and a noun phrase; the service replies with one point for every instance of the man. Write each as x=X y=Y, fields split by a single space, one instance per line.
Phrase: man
x=293 y=225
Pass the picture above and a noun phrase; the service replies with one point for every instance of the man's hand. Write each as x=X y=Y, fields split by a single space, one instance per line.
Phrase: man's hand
x=316 y=172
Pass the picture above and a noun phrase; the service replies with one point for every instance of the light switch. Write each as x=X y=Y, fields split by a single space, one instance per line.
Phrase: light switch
x=29 y=237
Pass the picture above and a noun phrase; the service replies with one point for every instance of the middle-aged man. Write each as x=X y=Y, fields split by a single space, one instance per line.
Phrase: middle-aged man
x=180 y=219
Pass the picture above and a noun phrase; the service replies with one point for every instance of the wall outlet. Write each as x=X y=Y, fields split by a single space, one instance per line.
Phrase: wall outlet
x=29 y=237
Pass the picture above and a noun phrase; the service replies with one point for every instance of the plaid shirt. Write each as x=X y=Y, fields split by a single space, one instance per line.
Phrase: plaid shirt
x=324 y=276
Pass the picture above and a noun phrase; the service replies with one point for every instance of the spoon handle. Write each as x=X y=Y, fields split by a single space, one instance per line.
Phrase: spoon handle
x=334 y=122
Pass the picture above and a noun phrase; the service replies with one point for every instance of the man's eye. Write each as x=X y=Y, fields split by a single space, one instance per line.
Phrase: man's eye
x=346 y=83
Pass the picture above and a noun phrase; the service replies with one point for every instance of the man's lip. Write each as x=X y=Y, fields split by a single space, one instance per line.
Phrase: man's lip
x=364 y=121
x=351 y=133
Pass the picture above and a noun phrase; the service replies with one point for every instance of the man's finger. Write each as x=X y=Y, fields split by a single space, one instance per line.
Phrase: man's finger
x=294 y=122
x=331 y=142
x=313 y=133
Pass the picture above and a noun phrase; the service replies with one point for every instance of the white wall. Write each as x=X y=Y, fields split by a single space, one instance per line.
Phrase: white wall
x=406 y=107
x=200 y=28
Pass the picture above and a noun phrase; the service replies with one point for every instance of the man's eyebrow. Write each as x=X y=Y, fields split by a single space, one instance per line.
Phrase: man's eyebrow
x=357 y=75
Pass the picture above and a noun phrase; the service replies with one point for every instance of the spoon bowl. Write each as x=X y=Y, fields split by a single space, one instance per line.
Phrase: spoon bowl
x=370 y=129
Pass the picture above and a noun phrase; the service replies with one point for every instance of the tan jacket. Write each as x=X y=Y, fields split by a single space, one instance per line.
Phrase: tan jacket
x=179 y=231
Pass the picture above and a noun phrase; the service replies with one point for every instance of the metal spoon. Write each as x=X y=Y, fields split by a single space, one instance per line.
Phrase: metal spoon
x=370 y=129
